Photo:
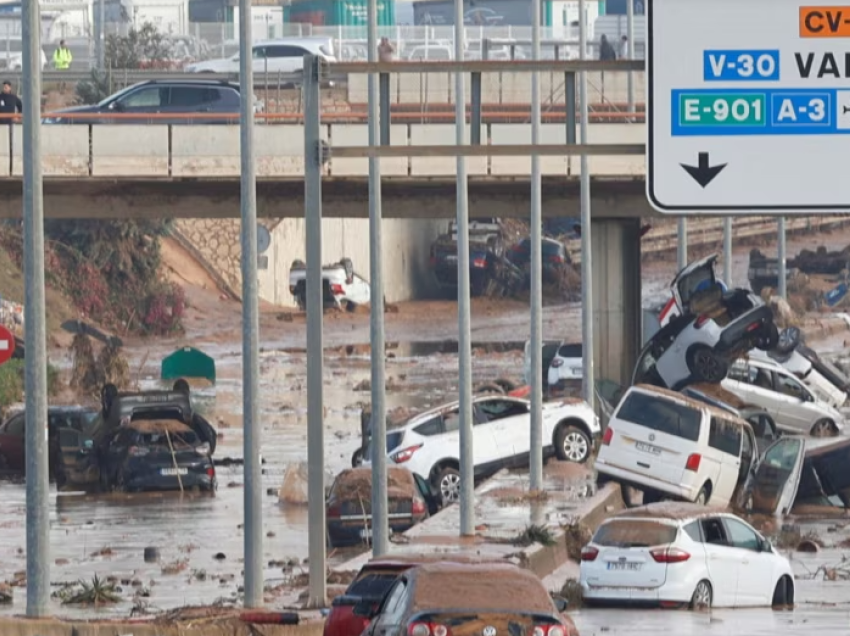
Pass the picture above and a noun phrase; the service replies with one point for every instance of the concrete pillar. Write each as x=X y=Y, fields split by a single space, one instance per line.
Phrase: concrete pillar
x=617 y=301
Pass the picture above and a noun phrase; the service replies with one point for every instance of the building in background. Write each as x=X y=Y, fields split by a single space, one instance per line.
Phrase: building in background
x=496 y=13
x=338 y=12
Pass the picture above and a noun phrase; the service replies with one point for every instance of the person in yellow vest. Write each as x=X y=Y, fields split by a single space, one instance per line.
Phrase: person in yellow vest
x=62 y=57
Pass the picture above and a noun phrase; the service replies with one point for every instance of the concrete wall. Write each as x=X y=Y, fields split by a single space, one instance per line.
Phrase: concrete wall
x=195 y=151
x=406 y=247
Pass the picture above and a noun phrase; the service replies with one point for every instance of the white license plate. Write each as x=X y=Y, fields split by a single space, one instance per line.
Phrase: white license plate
x=647 y=448
x=623 y=565
x=366 y=533
x=173 y=472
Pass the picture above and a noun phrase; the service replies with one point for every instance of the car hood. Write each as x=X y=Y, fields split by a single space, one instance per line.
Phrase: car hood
x=688 y=279
x=89 y=108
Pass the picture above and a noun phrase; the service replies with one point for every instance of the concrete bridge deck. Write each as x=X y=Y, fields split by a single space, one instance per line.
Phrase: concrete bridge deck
x=130 y=171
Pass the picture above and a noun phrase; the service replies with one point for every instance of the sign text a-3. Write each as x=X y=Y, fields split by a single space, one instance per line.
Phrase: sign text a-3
x=731 y=65
x=825 y=22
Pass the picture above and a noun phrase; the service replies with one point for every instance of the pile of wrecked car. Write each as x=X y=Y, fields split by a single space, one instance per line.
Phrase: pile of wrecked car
x=726 y=411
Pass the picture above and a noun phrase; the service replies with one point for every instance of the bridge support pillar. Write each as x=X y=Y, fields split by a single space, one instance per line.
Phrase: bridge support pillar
x=617 y=299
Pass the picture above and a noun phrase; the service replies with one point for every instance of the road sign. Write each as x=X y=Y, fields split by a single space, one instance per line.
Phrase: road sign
x=7 y=344
x=749 y=106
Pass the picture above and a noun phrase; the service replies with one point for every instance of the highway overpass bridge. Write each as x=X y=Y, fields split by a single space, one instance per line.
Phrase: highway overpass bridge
x=192 y=171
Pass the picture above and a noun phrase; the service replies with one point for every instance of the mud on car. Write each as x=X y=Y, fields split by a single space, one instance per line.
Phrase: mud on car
x=149 y=440
x=713 y=327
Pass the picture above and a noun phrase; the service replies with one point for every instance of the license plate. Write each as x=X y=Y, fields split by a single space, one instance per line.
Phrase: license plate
x=366 y=533
x=173 y=472
x=623 y=565
x=647 y=448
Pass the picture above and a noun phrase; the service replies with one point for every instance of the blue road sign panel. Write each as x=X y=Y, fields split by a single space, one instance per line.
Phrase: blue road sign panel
x=740 y=65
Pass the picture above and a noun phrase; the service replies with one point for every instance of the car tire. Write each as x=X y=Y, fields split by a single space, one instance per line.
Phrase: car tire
x=789 y=339
x=705 y=366
x=824 y=428
x=702 y=597
x=703 y=496
x=769 y=338
x=572 y=444
x=507 y=385
x=357 y=458
x=448 y=485
x=490 y=388
x=780 y=593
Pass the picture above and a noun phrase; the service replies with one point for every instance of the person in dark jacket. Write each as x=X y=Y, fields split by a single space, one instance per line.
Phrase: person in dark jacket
x=9 y=102
x=606 y=54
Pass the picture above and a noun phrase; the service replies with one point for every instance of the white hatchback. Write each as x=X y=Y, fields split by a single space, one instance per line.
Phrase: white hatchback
x=673 y=554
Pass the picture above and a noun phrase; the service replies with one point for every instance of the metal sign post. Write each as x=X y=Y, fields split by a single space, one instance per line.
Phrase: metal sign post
x=313 y=158
x=253 y=495
x=38 y=517
x=734 y=105
x=587 y=355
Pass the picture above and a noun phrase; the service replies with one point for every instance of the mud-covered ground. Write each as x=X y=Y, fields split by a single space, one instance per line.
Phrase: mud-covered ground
x=106 y=535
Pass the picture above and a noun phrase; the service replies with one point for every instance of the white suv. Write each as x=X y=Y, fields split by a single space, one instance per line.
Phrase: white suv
x=429 y=444
x=273 y=56
x=793 y=404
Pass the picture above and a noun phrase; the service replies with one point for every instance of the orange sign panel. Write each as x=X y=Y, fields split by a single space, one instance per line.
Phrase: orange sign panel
x=825 y=22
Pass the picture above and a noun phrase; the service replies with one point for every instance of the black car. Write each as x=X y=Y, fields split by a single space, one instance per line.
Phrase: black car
x=13 y=434
x=151 y=102
x=155 y=454
x=555 y=258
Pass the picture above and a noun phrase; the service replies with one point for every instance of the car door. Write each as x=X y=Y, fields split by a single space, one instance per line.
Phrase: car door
x=752 y=384
x=12 y=450
x=774 y=482
x=389 y=621
x=259 y=59
x=509 y=425
x=141 y=103
x=792 y=407
x=726 y=437
x=755 y=572
x=482 y=442
x=722 y=561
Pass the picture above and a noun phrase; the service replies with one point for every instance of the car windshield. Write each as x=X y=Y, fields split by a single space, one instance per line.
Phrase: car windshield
x=634 y=533
x=372 y=584
x=570 y=351
x=661 y=414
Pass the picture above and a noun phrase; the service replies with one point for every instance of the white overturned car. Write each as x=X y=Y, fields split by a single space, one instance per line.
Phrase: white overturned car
x=429 y=444
x=711 y=329
x=342 y=288
x=673 y=554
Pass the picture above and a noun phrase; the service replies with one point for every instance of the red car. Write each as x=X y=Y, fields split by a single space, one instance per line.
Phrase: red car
x=371 y=583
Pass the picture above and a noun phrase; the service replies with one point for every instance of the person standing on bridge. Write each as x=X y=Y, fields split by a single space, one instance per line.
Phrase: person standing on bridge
x=62 y=57
x=385 y=50
x=10 y=104
x=606 y=54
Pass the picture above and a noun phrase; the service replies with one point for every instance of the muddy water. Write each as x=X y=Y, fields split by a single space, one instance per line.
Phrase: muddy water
x=106 y=535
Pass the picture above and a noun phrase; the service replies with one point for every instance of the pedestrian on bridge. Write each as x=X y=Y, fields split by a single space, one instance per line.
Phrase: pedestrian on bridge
x=385 y=50
x=62 y=57
x=10 y=104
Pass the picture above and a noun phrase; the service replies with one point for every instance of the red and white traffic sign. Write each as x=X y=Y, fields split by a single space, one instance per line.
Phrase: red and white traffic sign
x=7 y=344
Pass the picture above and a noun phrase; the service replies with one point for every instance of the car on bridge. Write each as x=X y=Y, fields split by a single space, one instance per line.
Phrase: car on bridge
x=161 y=102
x=711 y=328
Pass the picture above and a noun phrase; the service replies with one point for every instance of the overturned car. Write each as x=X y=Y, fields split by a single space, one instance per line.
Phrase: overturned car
x=149 y=440
x=709 y=330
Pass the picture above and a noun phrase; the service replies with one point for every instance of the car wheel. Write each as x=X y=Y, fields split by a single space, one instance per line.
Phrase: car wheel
x=769 y=338
x=490 y=388
x=703 y=496
x=357 y=458
x=702 y=596
x=789 y=338
x=705 y=366
x=824 y=428
x=572 y=444
x=780 y=593
x=448 y=483
x=507 y=385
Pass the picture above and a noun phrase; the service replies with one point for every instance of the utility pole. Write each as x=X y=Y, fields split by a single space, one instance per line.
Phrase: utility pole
x=38 y=502
x=253 y=495
x=588 y=372
x=536 y=458
x=378 y=444
x=467 y=487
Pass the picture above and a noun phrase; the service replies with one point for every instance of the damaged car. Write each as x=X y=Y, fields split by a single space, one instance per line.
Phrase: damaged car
x=148 y=440
x=713 y=327
x=342 y=287
x=673 y=447
x=410 y=499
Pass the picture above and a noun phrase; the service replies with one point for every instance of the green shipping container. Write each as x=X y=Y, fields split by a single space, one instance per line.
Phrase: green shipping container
x=339 y=12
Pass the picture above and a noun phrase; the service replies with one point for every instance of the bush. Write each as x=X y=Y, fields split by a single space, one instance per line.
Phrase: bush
x=12 y=382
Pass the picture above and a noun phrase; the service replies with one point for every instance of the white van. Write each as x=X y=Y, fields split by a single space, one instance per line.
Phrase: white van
x=793 y=403
x=671 y=446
